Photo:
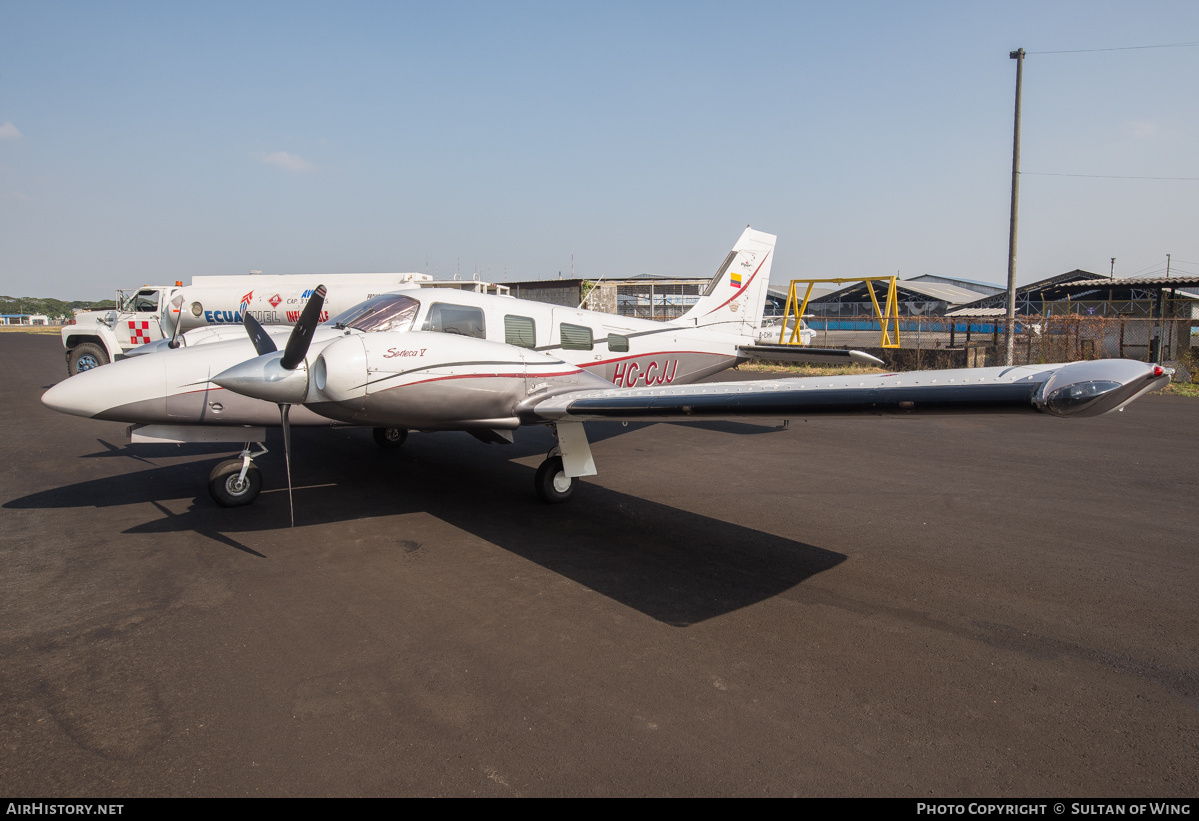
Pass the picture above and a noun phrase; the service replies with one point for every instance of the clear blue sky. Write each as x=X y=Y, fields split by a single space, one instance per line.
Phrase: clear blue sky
x=144 y=142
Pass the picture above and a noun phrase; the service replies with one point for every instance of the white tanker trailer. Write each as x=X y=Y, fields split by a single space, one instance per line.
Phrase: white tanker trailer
x=154 y=312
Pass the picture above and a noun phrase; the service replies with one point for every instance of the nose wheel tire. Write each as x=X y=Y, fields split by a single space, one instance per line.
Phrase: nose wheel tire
x=84 y=357
x=388 y=438
x=553 y=485
x=226 y=489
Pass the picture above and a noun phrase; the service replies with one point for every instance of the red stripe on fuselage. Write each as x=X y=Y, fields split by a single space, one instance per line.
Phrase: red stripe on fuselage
x=490 y=376
x=658 y=353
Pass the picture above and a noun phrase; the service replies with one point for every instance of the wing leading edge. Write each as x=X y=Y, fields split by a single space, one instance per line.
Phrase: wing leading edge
x=1074 y=389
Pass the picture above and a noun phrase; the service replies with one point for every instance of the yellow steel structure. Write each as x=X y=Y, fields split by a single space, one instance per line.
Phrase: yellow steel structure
x=888 y=318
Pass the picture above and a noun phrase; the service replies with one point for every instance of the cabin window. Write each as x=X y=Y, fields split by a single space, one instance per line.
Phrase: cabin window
x=575 y=337
x=618 y=343
x=456 y=319
x=520 y=331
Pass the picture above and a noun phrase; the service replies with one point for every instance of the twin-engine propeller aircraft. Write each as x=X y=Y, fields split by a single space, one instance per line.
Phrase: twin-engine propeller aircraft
x=435 y=360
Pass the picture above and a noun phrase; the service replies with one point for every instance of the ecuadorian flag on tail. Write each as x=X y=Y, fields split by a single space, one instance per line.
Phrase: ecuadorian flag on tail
x=735 y=279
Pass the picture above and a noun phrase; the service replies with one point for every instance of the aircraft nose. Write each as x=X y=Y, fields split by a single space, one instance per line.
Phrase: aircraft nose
x=75 y=395
x=95 y=393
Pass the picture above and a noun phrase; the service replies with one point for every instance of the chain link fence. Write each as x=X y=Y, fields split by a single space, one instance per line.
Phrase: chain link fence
x=944 y=342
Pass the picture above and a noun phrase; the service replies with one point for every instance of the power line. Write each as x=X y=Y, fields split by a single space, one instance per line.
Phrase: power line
x=1152 y=268
x=1117 y=48
x=1105 y=176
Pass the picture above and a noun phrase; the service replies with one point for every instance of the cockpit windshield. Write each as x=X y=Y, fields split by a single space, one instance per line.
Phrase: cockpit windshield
x=387 y=312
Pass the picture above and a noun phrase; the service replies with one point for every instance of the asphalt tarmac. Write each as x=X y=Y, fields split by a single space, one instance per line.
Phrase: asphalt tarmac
x=923 y=606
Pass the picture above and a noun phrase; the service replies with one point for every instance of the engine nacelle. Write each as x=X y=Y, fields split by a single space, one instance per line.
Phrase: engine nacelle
x=430 y=380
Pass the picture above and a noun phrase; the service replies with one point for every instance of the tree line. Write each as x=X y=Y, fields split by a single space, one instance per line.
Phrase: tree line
x=49 y=307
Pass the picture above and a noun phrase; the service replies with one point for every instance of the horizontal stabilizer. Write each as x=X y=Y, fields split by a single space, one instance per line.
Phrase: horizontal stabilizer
x=795 y=353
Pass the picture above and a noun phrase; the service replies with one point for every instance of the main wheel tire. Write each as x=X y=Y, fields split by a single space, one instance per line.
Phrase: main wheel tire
x=84 y=357
x=553 y=485
x=225 y=489
x=388 y=438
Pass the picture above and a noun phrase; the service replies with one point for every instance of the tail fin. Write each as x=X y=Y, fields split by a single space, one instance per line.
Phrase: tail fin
x=735 y=298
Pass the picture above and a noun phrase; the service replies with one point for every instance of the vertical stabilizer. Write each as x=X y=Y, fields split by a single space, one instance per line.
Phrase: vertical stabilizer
x=735 y=298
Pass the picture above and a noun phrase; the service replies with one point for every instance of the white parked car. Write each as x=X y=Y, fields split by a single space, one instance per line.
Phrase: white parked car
x=772 y=327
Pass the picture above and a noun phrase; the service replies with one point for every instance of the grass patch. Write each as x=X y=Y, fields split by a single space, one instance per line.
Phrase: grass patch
x=1181 y=389
x=807 y=369
x=31 y=329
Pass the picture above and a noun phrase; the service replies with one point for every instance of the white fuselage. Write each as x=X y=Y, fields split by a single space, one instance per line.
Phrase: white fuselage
x=480 y=357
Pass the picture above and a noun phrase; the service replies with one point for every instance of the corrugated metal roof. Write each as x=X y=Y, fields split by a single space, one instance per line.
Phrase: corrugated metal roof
x=935 y=291
x=978 y=312
x=667 y=277
x=932 y=277
x=1176 y=281
x=1024 y=291
x=782 y=293
x=940 y=290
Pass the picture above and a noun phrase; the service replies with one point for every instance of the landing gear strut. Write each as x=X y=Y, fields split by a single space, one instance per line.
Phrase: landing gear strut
x=236 y=482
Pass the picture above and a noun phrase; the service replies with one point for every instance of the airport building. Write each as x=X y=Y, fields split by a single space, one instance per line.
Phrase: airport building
x=927 y=295
x=647 y=296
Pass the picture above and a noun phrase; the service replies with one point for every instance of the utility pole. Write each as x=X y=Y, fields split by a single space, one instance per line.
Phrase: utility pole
x=1112 y=275
x=1009 y=335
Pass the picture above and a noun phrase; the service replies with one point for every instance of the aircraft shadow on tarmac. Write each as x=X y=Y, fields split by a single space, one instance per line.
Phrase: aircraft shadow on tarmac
x=675 y=566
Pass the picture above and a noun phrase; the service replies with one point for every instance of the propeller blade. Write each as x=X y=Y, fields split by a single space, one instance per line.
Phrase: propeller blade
x=284 y=410
x=177 y=304
x=301 y=335
x=262 y=341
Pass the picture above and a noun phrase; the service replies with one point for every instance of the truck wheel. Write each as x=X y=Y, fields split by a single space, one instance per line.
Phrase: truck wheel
x=84 y=357
x=224 y=488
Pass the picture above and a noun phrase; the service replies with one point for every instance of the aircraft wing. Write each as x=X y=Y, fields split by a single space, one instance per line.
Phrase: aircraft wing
x=1074 y=389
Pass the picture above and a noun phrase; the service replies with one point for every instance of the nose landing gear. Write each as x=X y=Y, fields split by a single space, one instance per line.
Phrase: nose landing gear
x=236 y=482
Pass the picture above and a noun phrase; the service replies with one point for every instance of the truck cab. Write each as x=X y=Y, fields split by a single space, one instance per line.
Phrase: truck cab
x=96 y=338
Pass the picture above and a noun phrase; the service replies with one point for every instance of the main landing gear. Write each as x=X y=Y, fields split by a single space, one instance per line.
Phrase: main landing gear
x=552 y=483
x=559 y=474
x=236 y=482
